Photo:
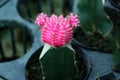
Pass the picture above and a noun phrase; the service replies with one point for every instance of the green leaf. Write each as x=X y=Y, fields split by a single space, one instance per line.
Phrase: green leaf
x=58 y=64
x=116 y=57
x=115 y=50
x=117 y=39
x=116 y=34
x=93 y=17
x=116 y=47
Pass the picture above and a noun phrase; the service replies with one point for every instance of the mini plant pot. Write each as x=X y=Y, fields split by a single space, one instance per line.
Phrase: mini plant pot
x=59 y=59
x=34 y=69
x=92 y=31
x=112 y=8
x=15 y=40
x=88 y=12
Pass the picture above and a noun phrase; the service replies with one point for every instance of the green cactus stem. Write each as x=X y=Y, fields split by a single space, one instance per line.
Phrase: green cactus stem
x=59 y=64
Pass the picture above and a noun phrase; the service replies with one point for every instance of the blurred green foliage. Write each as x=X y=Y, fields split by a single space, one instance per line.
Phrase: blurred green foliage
x=59 y=64
x=94 y=19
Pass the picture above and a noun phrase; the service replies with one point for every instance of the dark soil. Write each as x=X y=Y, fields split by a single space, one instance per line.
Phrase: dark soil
x=33 y=68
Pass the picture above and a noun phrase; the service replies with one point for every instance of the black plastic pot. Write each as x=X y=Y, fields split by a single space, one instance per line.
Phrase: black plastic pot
x=13 y=67
x=33 y=67
x=82 y=56
x=94 y=42
x=34 y=71
x=102 y=61
x=17 y=34
x=112 y=8
x=94 y=62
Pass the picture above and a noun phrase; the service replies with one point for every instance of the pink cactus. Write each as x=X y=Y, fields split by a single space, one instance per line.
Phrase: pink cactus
x=57 y=30
x=41 y=19
x=73 y=20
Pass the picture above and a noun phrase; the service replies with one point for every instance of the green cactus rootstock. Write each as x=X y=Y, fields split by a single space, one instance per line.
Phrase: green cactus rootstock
x=93 y=17
x=59 y=64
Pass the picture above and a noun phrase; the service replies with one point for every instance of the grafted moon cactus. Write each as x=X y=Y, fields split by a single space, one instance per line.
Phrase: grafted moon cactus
x=57 y=30
x=57 y=63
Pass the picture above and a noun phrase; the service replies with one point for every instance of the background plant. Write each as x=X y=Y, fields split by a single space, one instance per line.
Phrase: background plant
x=94 y=20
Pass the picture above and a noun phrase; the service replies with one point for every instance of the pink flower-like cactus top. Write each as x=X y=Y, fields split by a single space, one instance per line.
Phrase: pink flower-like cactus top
x=57 y=30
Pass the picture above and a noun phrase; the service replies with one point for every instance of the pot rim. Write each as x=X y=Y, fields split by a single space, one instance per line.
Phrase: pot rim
x=86 y=60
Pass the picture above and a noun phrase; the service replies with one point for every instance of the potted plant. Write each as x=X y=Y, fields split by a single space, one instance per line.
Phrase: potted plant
x=58 y=59
x=112 y=8
x=95 y=25
x=97 y=30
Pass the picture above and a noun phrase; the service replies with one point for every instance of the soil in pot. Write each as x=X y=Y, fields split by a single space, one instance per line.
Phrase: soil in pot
x=34 y=72
x=33 y=68
x=94 y=42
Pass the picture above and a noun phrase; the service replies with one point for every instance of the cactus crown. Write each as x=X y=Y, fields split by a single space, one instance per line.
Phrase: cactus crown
x=57 y=30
